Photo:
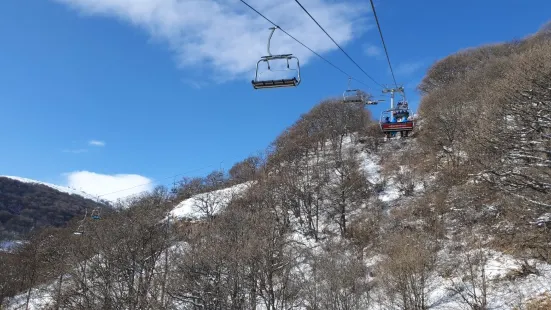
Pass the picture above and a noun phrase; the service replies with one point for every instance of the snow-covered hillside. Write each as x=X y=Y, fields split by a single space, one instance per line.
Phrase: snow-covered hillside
x=507 y=287
x=63 y=189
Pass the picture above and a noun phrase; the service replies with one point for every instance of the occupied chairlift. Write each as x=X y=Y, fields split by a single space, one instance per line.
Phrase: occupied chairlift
x=288 y=82
x=396 y=119
x=95 y=214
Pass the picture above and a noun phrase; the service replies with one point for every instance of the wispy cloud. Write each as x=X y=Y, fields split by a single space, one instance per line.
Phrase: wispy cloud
x=410 y=68
x=96 y=143
x=75 y=151
x=226 y=36
x=194 y=83
x=116 y=186
x=373 y=50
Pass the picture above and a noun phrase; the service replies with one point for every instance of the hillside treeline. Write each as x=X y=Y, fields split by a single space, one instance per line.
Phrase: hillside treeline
x=486 y=130
x=312 y=232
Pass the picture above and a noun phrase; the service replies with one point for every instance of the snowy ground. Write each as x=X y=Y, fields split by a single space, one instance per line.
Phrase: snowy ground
x=195 y=207
x=503 y=292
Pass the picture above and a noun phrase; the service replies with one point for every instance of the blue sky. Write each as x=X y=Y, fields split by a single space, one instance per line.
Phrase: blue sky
x=165 y=85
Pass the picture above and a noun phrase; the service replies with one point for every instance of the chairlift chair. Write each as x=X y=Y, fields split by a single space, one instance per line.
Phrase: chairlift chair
x=392 y=121
x=95 y=214
x=354 y=95
x=275 y=83
x=80 y=228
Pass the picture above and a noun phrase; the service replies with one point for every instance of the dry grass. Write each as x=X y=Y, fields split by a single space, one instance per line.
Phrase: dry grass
x=540 y=302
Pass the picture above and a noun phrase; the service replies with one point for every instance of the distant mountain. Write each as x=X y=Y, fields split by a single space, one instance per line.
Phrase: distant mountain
x=63 y=189
x=27 y=204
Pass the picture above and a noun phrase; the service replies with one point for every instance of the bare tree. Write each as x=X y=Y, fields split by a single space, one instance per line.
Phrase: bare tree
x=246 y=169
x=10 y=278
x=521 y=137
x=118 y=259
x=347 y=192
x=406 y=274
x=472 y=285
x=339 y=280
x=187 y=187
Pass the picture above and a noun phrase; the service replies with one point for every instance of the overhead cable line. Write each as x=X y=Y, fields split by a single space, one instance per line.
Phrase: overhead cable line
x=305 y=10
x=383 y=40
x=299 y=42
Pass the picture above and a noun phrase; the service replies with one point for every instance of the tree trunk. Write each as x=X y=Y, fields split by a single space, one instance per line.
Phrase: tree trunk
x=58 y=302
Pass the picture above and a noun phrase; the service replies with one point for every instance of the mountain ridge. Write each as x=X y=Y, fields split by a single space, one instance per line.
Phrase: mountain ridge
x=64 y=189
x=26 y=205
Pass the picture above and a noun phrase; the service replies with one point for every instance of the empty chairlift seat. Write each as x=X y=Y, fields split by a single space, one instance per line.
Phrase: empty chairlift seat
x=354 y=95
x=259 y=83
x=274 y=83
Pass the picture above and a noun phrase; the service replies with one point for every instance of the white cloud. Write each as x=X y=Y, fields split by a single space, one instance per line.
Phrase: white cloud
x=116 y=185
x=409 y=68
x=228 y=37
x=96 y=143
x=373 y=50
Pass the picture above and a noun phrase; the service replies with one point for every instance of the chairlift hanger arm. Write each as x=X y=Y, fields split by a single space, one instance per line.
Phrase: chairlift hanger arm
x=270 y=56
x=273 y=29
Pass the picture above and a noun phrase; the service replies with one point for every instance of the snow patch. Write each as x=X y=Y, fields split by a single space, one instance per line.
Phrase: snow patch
x=208 y=203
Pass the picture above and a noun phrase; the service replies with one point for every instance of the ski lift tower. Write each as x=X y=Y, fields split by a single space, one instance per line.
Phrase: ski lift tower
x=399 y=89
